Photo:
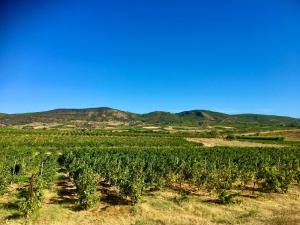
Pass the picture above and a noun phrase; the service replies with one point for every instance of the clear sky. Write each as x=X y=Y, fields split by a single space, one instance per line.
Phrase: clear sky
x=145 y=55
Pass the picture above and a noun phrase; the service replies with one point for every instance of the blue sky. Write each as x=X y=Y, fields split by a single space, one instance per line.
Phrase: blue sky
x=145 y=55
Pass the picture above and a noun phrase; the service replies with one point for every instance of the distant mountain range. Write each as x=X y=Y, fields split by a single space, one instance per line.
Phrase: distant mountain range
x=188 y=118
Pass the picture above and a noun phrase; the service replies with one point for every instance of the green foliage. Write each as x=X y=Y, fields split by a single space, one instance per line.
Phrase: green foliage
x=263 y=138
x=297 y=177
x=33 y=196
x=274 y=180
x=231 y=137
x=182 y=198
x=5 y=178
x=134 y=162
x=86 y=182
x=47 y=169
x=3 y=184
x=134 y=171
x=213 y=134
x=226 y=198
x=133 y=189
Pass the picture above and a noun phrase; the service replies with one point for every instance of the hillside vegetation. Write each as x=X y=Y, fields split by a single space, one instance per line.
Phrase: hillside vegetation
x=186 y=118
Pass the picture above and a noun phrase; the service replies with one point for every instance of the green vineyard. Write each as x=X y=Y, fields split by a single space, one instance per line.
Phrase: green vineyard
x=135 y=163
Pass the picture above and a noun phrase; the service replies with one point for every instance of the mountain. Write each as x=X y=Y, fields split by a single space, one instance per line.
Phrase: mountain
x=201 y=115
x=269 y=120
x=188 y=118
x=102 y=114
x=159 y=117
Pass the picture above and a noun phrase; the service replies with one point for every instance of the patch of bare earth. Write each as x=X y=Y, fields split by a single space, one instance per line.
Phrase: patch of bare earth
x=185 y=129
x=151 y=128
x=293 y=134
x=290 y=134
x=212 y=142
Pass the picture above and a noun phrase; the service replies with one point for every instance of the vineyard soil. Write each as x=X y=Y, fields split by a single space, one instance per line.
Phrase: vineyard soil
x=160 y=208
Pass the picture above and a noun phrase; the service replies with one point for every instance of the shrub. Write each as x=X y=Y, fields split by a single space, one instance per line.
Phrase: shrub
x=230 y=137
x=263 y=138
x=182 y=198
x=33 y=196
x=227 y=197
x=86 y=185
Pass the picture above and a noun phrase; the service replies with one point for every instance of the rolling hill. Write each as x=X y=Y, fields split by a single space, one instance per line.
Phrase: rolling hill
x=269 y=119
x=203 y=115
x=187 y=118
x=103 y=114
x=159 y=117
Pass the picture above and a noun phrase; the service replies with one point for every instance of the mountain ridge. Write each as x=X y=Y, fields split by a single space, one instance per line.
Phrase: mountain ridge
x=189 y=117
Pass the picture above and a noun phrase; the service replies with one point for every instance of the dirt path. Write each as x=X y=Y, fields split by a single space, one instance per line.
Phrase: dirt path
x=212 y=142
x=64 y=192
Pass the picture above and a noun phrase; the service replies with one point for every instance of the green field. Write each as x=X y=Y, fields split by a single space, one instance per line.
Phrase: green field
x=48 y=176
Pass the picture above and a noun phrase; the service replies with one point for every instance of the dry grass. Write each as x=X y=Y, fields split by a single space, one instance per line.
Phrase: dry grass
x=212 y=142
x=293 y=134
x=185 y=129
x=290 y=134
x=151 y=128
x=160 y=209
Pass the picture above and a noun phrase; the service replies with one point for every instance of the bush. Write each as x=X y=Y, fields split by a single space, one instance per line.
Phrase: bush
x=182 y=198
x=227 y=197
x=213 y=134
x=133 y=189
x=3 y=185
x=274 y=180
x=230 y=137
x=263 y=138
x=33 y=196
x=86 y=185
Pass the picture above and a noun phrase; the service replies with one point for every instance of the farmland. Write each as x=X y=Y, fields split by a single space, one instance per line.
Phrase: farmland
x=149 y=112
x=132 y=176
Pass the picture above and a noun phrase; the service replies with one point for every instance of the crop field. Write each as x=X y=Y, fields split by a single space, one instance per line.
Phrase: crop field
x=149 y=112
x=80 y=176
